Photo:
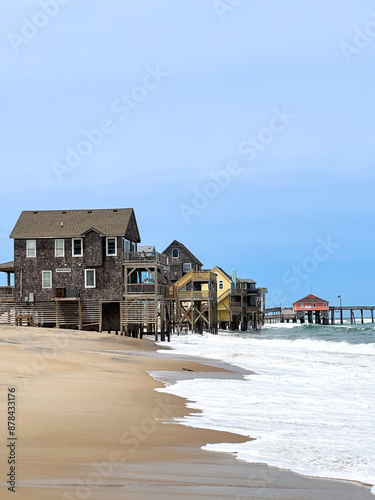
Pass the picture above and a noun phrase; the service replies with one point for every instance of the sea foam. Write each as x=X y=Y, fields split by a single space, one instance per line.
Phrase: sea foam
x=309 y=405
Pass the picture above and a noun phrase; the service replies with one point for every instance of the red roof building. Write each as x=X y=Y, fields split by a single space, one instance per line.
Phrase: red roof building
x=311 y=303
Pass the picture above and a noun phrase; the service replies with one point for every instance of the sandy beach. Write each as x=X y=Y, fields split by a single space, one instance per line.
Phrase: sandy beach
x=89 y=425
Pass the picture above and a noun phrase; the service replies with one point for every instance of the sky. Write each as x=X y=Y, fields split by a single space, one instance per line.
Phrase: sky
x=243 y=129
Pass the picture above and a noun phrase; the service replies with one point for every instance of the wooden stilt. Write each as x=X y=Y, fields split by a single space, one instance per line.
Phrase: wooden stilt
x=79 y=315
x=57 y=315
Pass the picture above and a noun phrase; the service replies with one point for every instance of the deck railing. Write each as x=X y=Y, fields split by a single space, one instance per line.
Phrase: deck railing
x=146 y=257
x=244 y=291
x=203 y=276
x=141 y=288
x=196 y=294
x=6 y=292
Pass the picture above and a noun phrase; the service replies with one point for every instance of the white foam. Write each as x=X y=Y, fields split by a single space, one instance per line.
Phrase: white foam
x=310 y=404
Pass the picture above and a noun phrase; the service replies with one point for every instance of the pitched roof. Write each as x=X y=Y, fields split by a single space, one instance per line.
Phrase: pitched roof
x=176 y=243
x=70 y=223
x=245 y=280
x=7 y=266
x=311 y=298
x=225 y=273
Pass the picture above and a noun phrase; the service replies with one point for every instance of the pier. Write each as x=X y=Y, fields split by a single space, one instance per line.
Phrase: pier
x=280 y=315
x=286 y=315
x=352 y=309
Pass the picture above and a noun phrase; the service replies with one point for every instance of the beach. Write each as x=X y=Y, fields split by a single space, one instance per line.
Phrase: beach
x=89 y=424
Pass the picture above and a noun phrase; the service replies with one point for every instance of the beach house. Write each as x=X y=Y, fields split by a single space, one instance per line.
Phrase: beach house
x=311 y=306
x=181 y=260
x=69 y=263
x=224 y=284
x=86 y=269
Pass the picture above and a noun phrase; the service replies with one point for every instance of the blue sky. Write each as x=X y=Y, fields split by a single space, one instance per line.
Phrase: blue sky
x=243 y=129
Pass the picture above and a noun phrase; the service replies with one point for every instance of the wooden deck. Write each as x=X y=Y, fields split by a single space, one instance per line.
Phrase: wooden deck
x=6 y=293
x=280 y=315
x=143 y=258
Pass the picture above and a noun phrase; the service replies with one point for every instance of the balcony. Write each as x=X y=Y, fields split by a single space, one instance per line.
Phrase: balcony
x=143 y=288
x=145 y=258
x=237 y=306
x=6 y=293
x=244 y=291
x=187 y=295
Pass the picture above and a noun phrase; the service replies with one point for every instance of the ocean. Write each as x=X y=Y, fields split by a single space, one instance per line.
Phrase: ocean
x=309 y=403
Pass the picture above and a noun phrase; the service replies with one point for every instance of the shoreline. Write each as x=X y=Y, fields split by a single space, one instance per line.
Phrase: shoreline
x=235 y=372
x=86 y=398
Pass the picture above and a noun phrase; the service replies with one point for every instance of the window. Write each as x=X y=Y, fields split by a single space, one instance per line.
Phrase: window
x=59 y=248
x=90 y=278
x=125 y=245
x=128 y=246
x=46 y=279
x=111 y=246
x=221 y=285
x=175 y=254
x=186 y=267
x=31 y=248
x=314 y=305
x=77 y=247
x=325 y=304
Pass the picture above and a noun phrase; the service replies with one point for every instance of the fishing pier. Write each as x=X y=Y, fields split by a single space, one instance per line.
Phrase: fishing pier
x=341 y=309
x=286 y=315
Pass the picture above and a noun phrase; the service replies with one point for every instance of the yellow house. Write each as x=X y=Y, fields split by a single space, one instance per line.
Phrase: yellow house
x=224 y=281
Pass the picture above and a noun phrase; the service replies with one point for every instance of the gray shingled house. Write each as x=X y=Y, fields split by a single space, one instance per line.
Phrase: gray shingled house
x=66 y=255
x=181 y=260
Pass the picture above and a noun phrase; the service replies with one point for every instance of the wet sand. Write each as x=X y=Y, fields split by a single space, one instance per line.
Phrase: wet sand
x=90 y=425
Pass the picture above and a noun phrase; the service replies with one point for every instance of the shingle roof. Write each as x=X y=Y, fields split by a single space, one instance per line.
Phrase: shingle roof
x=311 y=298
x=176 y=243
x=243 y=280
x=7 y=266
x=70 y=223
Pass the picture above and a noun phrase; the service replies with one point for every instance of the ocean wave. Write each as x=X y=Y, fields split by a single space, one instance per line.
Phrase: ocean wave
x=306 y=395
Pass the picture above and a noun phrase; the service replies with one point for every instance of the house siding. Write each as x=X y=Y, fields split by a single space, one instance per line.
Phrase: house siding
x=176 y=264
x=109 y=270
